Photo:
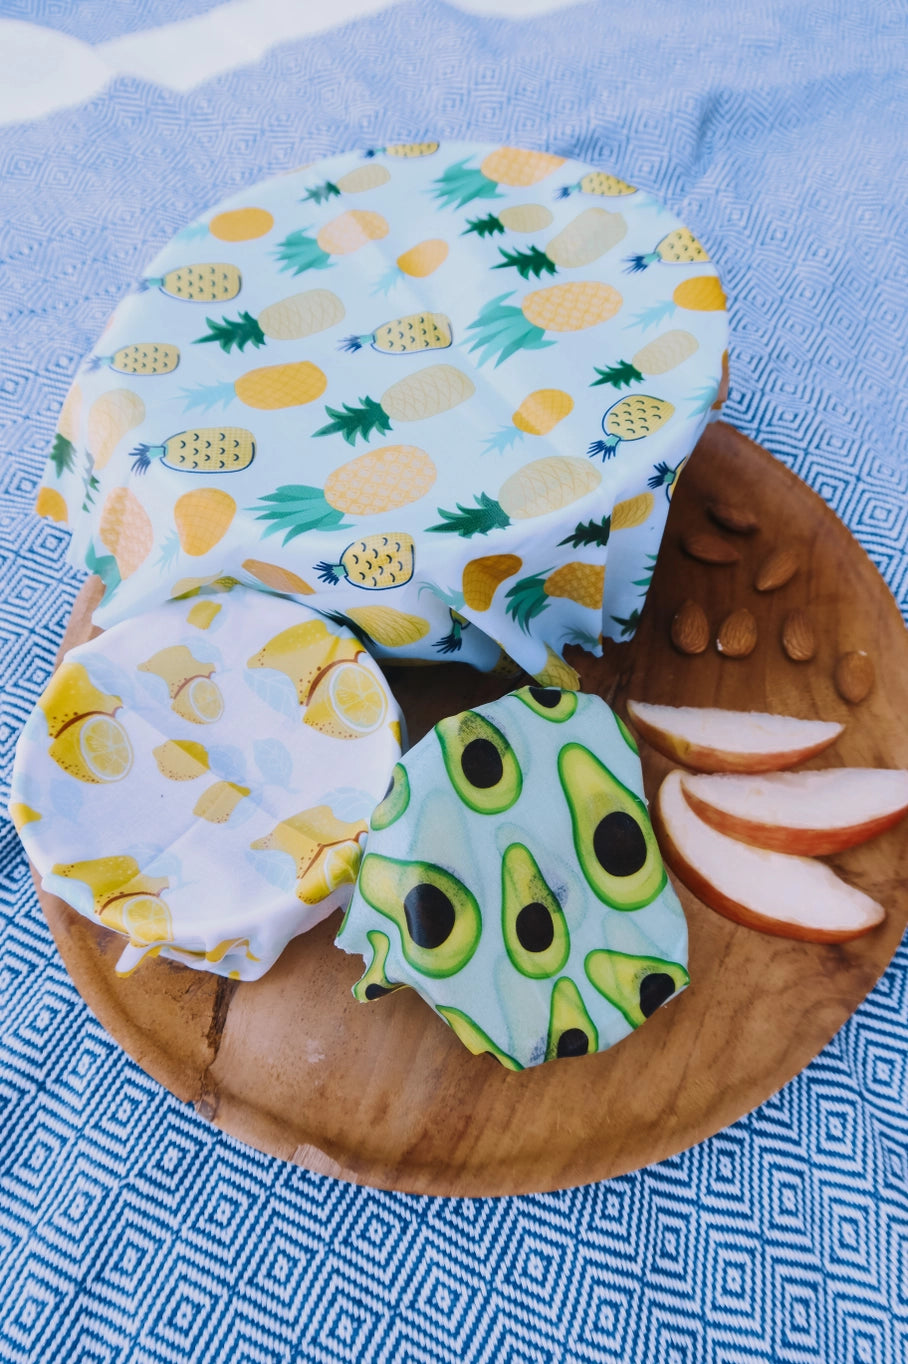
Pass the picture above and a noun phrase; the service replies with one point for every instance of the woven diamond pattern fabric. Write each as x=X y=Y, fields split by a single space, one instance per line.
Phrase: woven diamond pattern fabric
x=130 y=1230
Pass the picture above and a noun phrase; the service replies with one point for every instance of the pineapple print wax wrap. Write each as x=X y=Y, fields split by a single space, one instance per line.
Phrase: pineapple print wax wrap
x=200 y=779
x=512 y=878
x=433 y=389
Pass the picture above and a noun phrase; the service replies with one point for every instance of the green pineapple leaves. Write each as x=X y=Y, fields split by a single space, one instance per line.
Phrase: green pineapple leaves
x=460 y=183
x=356 y=421
x=530 y=264
x=299 y=252
x=589 y=533
x=229 y=332
x=527 y=599
x=618 y=375
x=479 y=520
x=296 y=508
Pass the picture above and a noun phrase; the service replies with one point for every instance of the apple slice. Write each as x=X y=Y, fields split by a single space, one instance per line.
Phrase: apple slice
x=712 y=740
x=807 y=813
x=792 y=897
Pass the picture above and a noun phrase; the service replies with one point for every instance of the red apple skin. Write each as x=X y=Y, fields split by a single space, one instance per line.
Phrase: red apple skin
x=798 y=842
x=730 y=909
x=701 y=759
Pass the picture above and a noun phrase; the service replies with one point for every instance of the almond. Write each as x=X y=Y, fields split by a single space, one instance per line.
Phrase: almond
x=854 y=675
x=776 y=570
x=799 y=638
x=737 y=635
x=732 y=518
x=709 y=548
x=690 y=629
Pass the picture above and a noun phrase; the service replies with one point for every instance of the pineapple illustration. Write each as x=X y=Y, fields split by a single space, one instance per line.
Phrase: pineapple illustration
x=290 y=319
x=369 y=485
x=584 y=240
x=209 y=450
x=631 y=418
x=676 y=248
x=590 y=533
x=52 y=504
x=481 y=578
x=304 y=653
x=702 y=294
x=268 y=388
x=543 y=485
x=557 y=673
x=430 y=391
x=125 y=528
x=517 y=218
x=357 y=181
x=277 y=579
x=87 y=741
x=666 y=352
x=194 y=587
x=579 y=582
x=241 y=224
x=208 y=283
x=598 y=182
x=125 y=898
x=386 y=627
x=502 y=330
x=111 y=417
x=202 y=518
x=418 y=262
x=665 y=477
x=452 y=641
x=538 y=414
x=181 y=759
x=193 y=695
x=62 y=452
x=633 y=511
x=405 y=335
x=461 y=183
x=339 y=237
x=376 y=562
x=326 y=850
x=142 y=358
x=405 y=150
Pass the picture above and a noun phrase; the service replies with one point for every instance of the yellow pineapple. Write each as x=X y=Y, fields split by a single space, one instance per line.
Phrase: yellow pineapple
x=87 y=741
x=218 y=803
x=542 y=486
x=110 y=418
x=481 y=578
x=557 y=673
x=512 y=166
x=125 y=528
x=598 y=182
x=516 y=218
x=267 y=388
x=202 y=518
x=125 y=898
x=405 y=335
x=277 y=578
x=538 y=414
x=356 y=181
x=429 y=391
x=584 y=240
x=633 y=511
x=375 y=562
x=241 y=224
x=181 y=759
x=631 y=418
x=406 y=149
x=304 y=653
x=417 y=263
x=142 y=358
x=389 y=628
x=51 y=504
x=702 y=294
x=208 y=283
x=192 y=587
x=193 y=695
x=208 y=450
x=676 y=248
x=339 y=237
x=501 y=329
x=578 y=582
x=666 y=352
x=326 y=850
x=290 y=319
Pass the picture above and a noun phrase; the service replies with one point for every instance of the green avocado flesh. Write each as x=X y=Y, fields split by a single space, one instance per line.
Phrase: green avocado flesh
x=473 y=1037
x=438 y=918
x=480 y=762
x=532 y=920
x=374 y=982
x=635 y=985
x=571 y=1030
x=625 y=733
x=395 y=800
x=614 y=840
x=550 y=702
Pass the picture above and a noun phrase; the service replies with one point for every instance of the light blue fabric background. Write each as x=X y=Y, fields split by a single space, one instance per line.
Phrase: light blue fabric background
x=129 y=1230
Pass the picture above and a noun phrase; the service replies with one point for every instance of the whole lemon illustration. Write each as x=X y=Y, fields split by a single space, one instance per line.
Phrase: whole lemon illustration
x=86 y=739
x=303 y=653
x=347 y=702
x=326 y=850
x=125 y=898
x=193 y=695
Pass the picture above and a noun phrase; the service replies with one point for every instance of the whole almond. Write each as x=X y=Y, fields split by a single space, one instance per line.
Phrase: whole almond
x=709 y=548
x=733 y=518
x=799 y=638
x=737 y=635
x=854 y=674
x=690 y=629
x=776 y=570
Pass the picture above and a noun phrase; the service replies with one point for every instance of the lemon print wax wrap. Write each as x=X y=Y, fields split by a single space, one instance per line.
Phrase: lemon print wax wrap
x=512 y=878
x=200 y=779
x=442 y=391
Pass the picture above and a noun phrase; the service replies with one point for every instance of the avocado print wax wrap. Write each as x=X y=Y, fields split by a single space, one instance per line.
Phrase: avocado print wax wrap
x=512 y=878
x=433 y=389
x=199 y=780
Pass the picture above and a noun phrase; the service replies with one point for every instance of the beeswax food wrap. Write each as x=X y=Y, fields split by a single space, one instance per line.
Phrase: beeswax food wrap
x=200 y=779
x=434 y=389
x=512 y=878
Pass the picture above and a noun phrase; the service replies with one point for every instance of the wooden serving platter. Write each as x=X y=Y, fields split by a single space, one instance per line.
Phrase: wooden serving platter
x=384 y=1094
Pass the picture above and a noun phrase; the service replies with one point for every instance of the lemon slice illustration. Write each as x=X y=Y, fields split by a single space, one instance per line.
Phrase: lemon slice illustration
x=205 y=699
x=341 y=865
x=357 y=698
x=105 y=748
x=144 y=918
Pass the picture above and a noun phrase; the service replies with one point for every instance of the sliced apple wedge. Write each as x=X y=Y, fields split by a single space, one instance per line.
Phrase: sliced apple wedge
x=708 y=739
x=806 y=813
x=792 y=897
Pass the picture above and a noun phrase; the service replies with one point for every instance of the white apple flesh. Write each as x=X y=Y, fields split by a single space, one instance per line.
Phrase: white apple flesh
x=804 y=813
x=792 y=897
x=708 y=739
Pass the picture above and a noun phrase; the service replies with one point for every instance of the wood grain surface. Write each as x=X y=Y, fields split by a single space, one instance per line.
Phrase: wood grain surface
x=383 y=1093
